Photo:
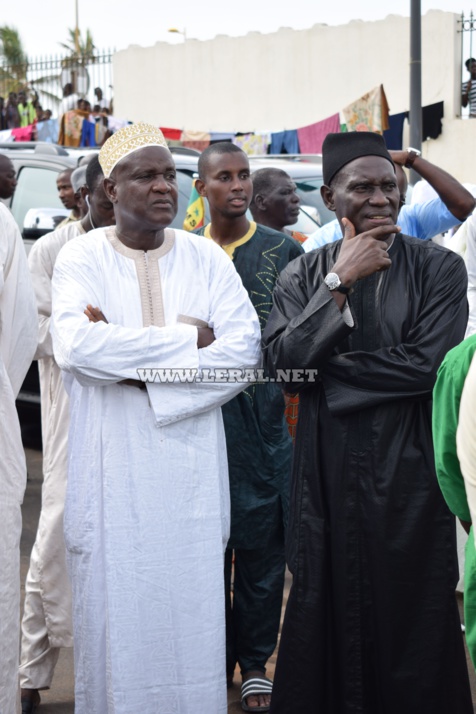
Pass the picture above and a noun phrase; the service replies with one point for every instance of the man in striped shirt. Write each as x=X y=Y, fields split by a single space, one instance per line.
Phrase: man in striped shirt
x=469 y=88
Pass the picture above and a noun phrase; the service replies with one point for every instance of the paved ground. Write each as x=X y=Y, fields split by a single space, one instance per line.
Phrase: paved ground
x=60 y=698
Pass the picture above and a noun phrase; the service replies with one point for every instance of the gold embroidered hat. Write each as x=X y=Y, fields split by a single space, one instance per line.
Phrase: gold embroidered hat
x=128 y=139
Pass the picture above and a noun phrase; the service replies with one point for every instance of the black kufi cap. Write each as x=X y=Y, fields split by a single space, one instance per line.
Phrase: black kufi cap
x=339 y=149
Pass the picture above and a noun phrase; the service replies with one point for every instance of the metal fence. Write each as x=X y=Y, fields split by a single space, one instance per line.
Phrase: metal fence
x=467 y=29
x=48 y=75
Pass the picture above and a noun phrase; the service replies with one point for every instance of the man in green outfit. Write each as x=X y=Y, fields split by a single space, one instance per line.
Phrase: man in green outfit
x=446 y=402
x=26 y=110
x=258 y=443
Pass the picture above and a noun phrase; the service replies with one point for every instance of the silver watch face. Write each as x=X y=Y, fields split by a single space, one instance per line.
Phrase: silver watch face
x=332 y=281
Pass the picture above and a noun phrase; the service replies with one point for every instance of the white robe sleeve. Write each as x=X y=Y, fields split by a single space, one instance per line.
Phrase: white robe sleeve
x=18 y=323
x=41 y=270
x=236 y=347
x=465 y=439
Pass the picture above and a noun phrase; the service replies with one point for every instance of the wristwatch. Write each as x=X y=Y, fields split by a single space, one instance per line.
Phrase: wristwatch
x=411 y=156
x=333 y=282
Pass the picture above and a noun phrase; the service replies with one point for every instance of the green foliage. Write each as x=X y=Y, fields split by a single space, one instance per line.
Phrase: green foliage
x=81 y=51
x=11 y=48
x=13 y=61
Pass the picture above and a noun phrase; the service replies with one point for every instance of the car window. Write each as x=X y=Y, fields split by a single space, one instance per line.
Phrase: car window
x=309 y=191
x=36 y=188
x=305 y=223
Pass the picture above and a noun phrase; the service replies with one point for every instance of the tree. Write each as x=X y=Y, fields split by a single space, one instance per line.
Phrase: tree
x=11 y=47
x=83 y=51
x=14 y=62
x=74 y=66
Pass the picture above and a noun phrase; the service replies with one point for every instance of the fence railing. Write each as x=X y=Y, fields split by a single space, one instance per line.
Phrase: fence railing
x=467 y=28
x=48 y=75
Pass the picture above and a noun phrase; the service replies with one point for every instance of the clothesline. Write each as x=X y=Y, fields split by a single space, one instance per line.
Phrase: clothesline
x=368 y=113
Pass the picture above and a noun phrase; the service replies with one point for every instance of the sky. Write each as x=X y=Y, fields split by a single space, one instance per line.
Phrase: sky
x=118 y=24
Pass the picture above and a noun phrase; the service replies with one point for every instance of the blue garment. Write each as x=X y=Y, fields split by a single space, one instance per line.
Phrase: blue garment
x=420 y=220
x=88 y=134
x=394 y=134
x=284 y=140
x=221 y=136
x=48 y=131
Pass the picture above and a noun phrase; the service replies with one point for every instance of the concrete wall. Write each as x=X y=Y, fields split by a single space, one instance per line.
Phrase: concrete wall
x=455 y=149
x=291 y=78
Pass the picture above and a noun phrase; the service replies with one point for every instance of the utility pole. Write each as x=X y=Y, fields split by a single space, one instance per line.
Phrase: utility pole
x=415 y=81
x=76 y=30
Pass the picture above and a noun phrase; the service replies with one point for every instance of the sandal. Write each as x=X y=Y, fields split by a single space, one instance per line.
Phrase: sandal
x=255 y=686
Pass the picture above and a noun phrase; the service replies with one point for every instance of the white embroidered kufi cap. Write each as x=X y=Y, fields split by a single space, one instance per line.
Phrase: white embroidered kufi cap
x=128 y=139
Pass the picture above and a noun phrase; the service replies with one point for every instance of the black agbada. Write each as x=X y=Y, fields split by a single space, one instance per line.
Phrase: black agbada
x=371 y=624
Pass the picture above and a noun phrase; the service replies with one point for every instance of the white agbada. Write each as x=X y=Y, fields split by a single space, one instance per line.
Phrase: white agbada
x=18 y=338
x=147 y=505
x=47 y=622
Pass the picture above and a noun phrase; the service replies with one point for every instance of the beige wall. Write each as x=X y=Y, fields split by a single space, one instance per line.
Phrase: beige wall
x=455 y=149
x=291 y=78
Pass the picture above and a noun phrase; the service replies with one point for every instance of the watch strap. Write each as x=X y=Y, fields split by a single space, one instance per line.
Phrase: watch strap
x=411 y=156
x=342 y=289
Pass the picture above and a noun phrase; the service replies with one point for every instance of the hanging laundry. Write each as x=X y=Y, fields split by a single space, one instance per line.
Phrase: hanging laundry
x=284 y=142
x=23 y=133
x=432 y=116
x=172 y=134
x=432 y=125
x=195 y=139
x=343 y=125
x=311 y=136
x=253 y=144
x=394 y=134
x=369 y=112
x=220 y=136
